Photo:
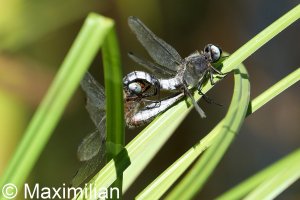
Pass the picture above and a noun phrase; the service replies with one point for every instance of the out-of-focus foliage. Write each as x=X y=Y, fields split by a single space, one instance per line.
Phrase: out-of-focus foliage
x=23 y=22
x=12 y=115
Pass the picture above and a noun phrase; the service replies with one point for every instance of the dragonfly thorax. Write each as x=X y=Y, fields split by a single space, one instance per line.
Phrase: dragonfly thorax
x=196 y=66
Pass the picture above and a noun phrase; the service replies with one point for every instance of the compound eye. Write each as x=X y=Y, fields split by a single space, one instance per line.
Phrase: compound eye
x=135 y=88
x=207 y=49
x=215 y=53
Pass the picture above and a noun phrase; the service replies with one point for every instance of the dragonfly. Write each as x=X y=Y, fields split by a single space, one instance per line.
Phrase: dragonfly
x=138 y=87
x=174 y=72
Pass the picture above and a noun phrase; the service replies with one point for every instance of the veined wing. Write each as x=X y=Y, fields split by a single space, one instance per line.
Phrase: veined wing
x=95 y=99
x=92 y=148
x=159 y=71
x=92 y=144
x=161 y=52
x=95 y=105
x=89 y=167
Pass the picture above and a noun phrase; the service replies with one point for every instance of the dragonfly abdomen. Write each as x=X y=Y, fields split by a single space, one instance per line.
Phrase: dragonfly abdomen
x=139 y=75
x=170 y=84
x=152 y=110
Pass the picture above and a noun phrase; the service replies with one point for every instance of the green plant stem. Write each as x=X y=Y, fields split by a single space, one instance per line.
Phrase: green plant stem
x=276 y=89
x=163 y=182
x=115 y=133
x=80 y=56
x=260 y=39
x=114 y=95
x=246 y=186
x=273 y=186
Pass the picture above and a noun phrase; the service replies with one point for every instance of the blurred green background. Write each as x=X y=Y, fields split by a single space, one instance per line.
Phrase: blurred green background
x=36 y=35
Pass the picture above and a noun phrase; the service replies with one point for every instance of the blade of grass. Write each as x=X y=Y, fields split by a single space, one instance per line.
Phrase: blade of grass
x=115 y=132
x=276 y=89
x=203 y=168
x=114 y=95
x=66 y=81
x=246 y=186
x=260 y=39
x=273 y=186
x=162 y=183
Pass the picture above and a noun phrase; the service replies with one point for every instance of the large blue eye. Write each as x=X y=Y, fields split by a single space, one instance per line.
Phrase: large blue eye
x=215 y=53
x=135 y=88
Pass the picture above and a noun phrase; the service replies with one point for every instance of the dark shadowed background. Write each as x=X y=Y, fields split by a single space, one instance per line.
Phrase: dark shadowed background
x=35 y=37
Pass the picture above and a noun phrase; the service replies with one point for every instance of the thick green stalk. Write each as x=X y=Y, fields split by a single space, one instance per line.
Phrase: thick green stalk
x=114 y=95
x=115 y=133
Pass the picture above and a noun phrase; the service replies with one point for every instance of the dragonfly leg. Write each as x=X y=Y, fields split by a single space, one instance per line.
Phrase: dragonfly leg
x=199 y=85
x=211 y=78
x=217 y=71
x=205 y=97
x=197 y=107
x=211 y=72
x=208 y=99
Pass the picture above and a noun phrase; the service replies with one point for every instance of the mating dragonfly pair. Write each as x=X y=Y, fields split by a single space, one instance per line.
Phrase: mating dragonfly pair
x=169 y=72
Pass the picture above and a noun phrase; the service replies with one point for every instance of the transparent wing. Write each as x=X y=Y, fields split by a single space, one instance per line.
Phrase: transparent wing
x=159 y=71
x=95 y=105
x=161 y=52
x=91 y=145
x=88 y=168
x=95 y=99
x=92 y=148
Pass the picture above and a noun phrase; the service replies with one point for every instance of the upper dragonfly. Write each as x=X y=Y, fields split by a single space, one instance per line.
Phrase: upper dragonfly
x=173 y=72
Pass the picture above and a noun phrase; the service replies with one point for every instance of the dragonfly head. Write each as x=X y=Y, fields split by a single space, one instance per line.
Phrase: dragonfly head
x=213 y=52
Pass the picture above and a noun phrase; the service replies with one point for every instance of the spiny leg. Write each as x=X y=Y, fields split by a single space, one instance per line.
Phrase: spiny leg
x=205 y=97
x=208 y=100
x=217 y=71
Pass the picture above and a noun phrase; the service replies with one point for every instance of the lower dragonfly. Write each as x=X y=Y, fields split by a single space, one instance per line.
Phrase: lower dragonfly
x=138 y=86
